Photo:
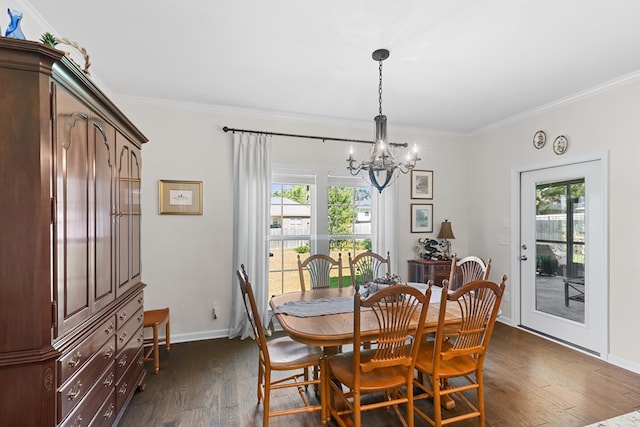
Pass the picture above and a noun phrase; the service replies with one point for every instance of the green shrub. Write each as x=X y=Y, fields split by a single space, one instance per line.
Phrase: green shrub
x=302 y=249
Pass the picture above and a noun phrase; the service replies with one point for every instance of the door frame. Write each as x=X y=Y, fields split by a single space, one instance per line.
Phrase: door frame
x=514 y=252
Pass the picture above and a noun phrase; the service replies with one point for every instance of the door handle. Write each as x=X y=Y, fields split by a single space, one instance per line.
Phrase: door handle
x=523 y=258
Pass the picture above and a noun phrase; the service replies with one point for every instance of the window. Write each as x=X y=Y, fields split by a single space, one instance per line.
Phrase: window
x=291 y=210
x=319 y=214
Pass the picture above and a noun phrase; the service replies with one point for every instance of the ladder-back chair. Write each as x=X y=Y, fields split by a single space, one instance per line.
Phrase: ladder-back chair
x=459 y=352
x=468 y=269
x=367 y=266
x=319 y=269
x=390 y=367
x=281 y=354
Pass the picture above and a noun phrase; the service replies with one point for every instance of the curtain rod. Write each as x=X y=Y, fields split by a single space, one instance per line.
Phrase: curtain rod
x=322 y=138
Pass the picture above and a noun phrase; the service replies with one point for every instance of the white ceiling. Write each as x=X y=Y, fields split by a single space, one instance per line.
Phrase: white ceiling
x=455 y=65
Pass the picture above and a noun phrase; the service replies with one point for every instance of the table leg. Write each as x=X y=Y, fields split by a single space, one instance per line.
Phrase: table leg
x=446 y=401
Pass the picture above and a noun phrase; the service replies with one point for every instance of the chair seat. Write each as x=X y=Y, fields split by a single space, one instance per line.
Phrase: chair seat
x=378 y=379
x=287 y=354
x=461 y=365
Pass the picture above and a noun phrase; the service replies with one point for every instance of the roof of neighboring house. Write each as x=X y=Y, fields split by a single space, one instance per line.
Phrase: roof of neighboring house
x=290 y=208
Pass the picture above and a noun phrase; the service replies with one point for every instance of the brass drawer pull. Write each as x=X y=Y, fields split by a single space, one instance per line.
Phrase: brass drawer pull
x=123 y=336
x=77 y=422
x=123 y=389
x=75 y=391
x=75 y=360
x=109 y=412
x=109 y=353
x=109 y=380
x=123 y=361
x=123 y=315
x=109 y=330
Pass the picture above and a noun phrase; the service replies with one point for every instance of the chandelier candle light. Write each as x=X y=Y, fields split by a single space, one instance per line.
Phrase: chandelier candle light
x=381 y=164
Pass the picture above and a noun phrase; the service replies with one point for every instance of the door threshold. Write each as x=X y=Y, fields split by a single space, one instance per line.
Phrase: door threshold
x=561 y=341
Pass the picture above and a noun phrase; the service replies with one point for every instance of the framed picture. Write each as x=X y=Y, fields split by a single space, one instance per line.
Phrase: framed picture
x=421 y=184
x=421 y=218
x=180 y=197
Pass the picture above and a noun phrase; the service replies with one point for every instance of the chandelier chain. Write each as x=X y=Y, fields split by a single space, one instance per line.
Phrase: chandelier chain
x=380 y=88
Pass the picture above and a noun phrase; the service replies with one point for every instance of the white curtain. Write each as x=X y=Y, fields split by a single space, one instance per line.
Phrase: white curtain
x=252 y=201
x=384 y=207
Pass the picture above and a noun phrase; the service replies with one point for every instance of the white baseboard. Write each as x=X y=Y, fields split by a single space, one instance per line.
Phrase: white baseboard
x=623 y=363
x=200 y=336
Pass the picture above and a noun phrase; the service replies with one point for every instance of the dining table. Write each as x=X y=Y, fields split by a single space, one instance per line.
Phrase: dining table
x=323 y=317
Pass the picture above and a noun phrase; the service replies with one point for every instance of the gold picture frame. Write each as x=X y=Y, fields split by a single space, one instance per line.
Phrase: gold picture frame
x=180 y=197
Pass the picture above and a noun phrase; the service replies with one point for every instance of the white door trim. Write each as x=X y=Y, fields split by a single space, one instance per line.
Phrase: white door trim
x=514 y=252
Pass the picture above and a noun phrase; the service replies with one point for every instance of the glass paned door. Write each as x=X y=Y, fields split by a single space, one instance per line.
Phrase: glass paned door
x=563 y=281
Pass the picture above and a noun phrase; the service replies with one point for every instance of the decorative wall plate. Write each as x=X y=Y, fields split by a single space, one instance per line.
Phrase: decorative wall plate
x=560 y=145
x=539 y=139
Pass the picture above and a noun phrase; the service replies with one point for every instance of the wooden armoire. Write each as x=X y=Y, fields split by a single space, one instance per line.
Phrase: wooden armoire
x=71 y=295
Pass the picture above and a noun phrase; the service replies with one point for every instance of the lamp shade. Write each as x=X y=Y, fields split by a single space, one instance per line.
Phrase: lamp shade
x=445 y=231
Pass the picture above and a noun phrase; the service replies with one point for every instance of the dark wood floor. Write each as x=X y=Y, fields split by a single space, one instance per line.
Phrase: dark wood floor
x=529 y=382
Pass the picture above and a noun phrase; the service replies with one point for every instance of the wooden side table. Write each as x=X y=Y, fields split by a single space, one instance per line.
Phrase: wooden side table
x=423 y=270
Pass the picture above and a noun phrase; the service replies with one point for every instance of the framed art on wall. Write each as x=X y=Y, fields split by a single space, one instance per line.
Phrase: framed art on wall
x=180 y=197
x=421 y=218
x=421 y=184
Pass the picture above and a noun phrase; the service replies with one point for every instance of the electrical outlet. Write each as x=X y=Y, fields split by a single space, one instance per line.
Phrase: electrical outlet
x=215 y=308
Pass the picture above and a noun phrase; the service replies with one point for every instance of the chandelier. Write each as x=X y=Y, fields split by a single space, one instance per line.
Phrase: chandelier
x=381 y=165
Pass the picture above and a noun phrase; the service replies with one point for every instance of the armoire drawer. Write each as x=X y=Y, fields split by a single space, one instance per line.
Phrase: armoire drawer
x=102 y=393
x=127 y=353
x=127 y=385
x=126 y=312
x=71 y=392
x=129 y=329
x=106 y=415
x=73 y=360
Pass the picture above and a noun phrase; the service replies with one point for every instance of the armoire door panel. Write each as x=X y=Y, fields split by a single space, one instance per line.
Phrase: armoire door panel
x=72 y=211
x=128 y=180
x=104 y=147
x=123 y=208
x=136 y=179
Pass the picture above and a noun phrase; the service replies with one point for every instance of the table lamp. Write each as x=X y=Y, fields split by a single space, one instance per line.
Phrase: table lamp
x=446 y=233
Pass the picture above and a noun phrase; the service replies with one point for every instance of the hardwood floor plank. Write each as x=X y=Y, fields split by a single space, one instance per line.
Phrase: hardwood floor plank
x=529 y=382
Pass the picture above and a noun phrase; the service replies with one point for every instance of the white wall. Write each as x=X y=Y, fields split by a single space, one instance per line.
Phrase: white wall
x=603 y=123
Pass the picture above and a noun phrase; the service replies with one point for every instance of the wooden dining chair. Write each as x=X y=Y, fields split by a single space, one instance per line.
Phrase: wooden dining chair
x=280 y=354
x=389 y=368
x=460 y=355
x=468 y=269
x=319 y=268
x=367 y=266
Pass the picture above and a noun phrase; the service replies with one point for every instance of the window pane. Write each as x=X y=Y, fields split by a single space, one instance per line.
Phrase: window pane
x=290 y=219
x=349 y=210
x=290 y=209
